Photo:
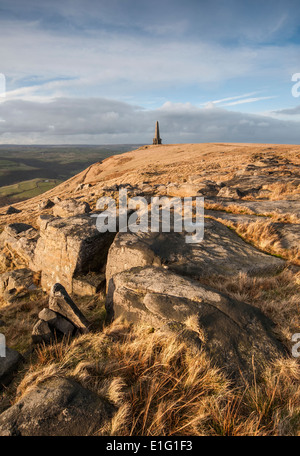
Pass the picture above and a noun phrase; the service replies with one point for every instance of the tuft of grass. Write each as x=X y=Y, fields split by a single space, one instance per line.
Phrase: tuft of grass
x=264 y=236
x=160 y=387
x=278 y=297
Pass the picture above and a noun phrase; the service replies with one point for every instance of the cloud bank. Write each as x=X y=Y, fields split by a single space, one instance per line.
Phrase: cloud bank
x=104 y=121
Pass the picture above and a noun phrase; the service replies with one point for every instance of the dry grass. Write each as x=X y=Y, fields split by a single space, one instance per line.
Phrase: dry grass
x=231 y=208
x=156 y=382
x=278 y=297
x=264 y=236
x=280 y=191
x=160 y=387
x=21 y=315
x=19 y=318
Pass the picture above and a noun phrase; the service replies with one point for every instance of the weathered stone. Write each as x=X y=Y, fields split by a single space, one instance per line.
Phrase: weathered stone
x=183 y=190
x=6 y=259
x=221 y=252
x=46 y=204
x=47 y=315
x=57 y=407
x=43 y=219
x=82 y=187
x=230 y=331
x=89 y=284
x=235 y=218
x=21 y=240
x=229 y=192
x=41 y=332
x=70 y=207
x=56 y=322
x=70 y=247
x=264 y=207
x=60 y=302
x=205 y=187
x=17 y=283
x=63 y=325
x=9 y=365
x=12 y=210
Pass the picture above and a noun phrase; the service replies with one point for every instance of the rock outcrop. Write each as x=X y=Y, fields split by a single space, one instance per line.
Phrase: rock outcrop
x=12 y=210
x=231 y=332
x=70 y=247
x=62 y=318
x=20 y=239
x=16 y=284
x=61 y=303
x=57 y=407
x=46 y=204
x=70 y=207
x=222 y=252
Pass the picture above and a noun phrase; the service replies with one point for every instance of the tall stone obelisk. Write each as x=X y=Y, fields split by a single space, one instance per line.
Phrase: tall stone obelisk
x=157 y=139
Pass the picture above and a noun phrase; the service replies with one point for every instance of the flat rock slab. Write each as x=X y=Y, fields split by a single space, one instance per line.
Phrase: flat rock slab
x=9 y=365
x=192 y=189
x=264 y=206
x=230 y=331
x=222 y=252
x=58 y=407
x=235 y=218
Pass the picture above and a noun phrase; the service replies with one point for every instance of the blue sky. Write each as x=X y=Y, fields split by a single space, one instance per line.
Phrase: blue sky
x=98 y=72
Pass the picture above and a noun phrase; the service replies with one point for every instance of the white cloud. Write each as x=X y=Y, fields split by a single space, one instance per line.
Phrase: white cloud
x=247 y=100
x=103 y=121
x=104 y=63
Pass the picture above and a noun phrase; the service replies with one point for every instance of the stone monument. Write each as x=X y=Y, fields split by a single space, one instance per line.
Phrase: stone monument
x=157 y=139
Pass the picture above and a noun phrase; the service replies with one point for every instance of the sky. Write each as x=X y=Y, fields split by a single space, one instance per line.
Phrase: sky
x=103 y=71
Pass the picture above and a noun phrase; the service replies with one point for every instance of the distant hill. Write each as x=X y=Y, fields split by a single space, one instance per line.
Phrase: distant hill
x=23 y=163
x=27 y=171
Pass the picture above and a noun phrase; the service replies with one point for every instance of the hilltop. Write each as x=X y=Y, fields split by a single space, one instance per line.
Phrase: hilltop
x=145 y=333
x=180 y=163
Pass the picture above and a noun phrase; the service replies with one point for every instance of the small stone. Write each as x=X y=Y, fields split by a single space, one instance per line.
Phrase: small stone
x=47 y=315
x=46 y=204
x=228 y=192
x=41 y=332
x=61 y=303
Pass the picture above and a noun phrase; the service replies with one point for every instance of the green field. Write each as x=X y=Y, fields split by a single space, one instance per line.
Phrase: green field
x=27 y=171
x=27 y=189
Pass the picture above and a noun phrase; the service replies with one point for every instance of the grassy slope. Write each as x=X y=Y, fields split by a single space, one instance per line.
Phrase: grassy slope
x=26 y=189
